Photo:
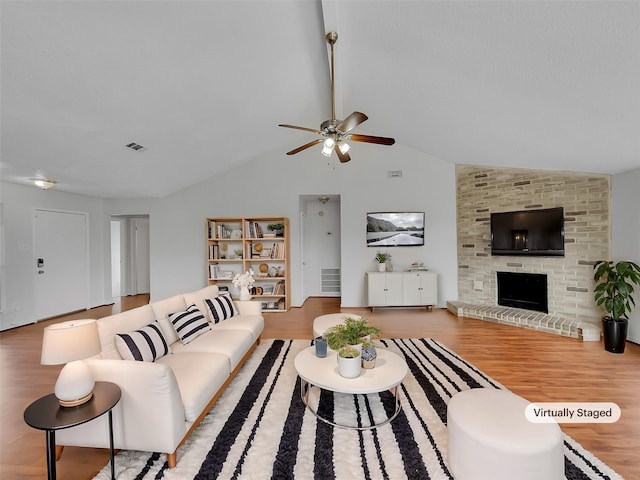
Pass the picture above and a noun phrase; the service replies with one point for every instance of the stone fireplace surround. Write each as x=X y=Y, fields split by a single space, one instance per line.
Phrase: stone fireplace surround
x=586 y=201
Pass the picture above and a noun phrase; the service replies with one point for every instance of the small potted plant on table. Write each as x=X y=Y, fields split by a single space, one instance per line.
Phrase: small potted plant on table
x=349 y=365
x=352 y=332
x=615 y=282
x=369 y=354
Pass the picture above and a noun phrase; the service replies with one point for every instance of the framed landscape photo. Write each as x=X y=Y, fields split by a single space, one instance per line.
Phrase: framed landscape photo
x=395 y=229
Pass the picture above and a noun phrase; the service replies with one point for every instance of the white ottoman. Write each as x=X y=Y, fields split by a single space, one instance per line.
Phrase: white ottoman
x=322 y=323
x=489 y=438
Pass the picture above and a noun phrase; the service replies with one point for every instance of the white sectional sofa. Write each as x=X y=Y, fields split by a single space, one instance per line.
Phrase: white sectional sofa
x=164 y=400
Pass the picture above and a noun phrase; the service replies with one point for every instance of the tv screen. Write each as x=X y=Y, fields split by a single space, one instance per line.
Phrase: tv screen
x=395 y=229
x=528 y=232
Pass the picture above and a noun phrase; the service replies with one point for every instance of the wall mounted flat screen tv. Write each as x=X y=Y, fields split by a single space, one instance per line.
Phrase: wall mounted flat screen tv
x=528 y=232
x=395 y=229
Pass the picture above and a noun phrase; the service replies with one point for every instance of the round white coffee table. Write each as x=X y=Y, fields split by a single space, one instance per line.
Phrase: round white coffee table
x=388 y=374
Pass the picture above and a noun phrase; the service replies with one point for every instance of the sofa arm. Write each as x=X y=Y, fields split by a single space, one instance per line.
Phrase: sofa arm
x=150 y=415
x=249 y=307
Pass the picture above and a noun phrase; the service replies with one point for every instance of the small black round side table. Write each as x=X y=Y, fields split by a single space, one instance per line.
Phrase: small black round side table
x=47 y=414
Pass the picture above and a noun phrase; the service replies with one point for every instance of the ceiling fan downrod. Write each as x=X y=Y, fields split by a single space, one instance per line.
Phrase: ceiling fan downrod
x=332 y=38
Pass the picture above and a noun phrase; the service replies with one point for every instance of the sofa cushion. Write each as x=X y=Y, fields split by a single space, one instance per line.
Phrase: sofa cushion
x=199 y=376
x=231 y=343
x=189 y=324
x=220 y=308
x=199 y=296
x=251 y=323
x=146 y=344
x=121 y=323
x=163 y=309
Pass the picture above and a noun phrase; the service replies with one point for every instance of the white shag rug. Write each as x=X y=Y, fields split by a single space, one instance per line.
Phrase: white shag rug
x=259 y=428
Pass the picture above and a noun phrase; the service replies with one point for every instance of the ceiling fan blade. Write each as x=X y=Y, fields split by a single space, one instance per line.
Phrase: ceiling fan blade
x=352 y=121
x=305 y=146
x=371 y=139
x=314 y=130
x=343 y=157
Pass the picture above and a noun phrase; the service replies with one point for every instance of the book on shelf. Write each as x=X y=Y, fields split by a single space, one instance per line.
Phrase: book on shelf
x=253 y=229
x=279 y=288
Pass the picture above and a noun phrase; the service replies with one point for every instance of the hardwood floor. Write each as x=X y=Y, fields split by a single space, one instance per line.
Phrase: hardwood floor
x=537 y=366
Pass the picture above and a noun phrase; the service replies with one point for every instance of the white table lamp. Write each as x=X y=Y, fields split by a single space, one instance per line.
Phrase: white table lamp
x=71 y=342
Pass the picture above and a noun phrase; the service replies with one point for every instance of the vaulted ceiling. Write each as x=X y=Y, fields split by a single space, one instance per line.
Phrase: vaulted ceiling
x=202 y=85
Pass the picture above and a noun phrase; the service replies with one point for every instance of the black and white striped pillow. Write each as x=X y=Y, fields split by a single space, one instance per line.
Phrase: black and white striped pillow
x=221 y=307
x=144 y=345
x=189 y=324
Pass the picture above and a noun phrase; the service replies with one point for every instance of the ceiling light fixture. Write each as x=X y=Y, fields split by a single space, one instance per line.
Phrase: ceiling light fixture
x=43 y=183
x=328 y=147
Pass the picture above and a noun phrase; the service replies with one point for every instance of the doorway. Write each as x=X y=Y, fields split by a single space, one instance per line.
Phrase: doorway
x=130 y=255
x=320 y=241
x=61 y=262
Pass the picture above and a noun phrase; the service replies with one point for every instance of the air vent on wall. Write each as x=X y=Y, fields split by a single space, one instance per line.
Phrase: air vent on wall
x=134 y=146
x=394 y=173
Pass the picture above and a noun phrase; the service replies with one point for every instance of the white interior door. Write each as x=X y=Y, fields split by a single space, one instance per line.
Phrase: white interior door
x=141 y=255
x=61 y=265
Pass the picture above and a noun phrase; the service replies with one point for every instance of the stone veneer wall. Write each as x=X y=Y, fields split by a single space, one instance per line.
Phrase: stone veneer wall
x=586 y=201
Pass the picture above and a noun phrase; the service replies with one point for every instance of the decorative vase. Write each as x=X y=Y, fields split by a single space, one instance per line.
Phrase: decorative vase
x=369 y=355
x=349 y=367
x=382 y=267
x=244 y=293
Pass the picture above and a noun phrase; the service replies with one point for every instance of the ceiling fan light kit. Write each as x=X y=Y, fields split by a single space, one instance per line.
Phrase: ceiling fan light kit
x=336 y=132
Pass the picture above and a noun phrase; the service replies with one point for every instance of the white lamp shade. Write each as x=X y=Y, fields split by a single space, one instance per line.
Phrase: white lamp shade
x=68 y=341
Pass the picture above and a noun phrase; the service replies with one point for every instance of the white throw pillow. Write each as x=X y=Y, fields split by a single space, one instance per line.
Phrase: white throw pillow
x=221 y=307
x=189 y=324
x=144 y=345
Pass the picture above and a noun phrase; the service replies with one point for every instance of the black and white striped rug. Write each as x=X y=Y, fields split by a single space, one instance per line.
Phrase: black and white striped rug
x=259 y=428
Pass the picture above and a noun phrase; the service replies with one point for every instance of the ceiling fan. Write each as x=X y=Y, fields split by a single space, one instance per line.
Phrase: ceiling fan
x=335 y=133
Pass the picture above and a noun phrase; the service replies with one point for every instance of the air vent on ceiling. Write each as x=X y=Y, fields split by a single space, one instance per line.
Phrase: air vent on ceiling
x=135 y=146
x=394 y=173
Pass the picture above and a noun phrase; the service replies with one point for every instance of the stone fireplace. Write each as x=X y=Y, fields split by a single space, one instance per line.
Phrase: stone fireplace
x=585 y=197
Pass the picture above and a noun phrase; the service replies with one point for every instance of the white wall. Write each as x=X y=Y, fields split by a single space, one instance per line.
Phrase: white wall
x=625 y=228
x=272 y=185
x=19 y=201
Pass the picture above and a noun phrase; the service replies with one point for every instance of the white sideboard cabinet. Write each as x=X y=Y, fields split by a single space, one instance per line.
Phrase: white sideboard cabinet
x=401 y=289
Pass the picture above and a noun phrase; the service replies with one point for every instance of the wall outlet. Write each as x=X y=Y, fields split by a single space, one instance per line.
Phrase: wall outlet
x=478 y=285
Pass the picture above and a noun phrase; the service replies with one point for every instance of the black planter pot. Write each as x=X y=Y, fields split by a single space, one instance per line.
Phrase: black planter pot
x=614 y=333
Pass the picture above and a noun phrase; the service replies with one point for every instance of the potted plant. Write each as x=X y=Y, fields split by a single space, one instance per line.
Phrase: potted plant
x=349 y=365
x=351 y=332
x=368 y=354
x=614 y=287
x=382 y=258
x=278 y=228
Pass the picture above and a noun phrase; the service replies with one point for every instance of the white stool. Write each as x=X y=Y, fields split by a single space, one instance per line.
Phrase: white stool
x=324 y=322
x=489 y=438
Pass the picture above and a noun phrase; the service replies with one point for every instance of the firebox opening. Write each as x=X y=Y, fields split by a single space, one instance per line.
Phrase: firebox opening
x=523 y=290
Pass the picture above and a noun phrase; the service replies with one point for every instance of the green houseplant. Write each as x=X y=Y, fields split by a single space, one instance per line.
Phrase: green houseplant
x=278 y=228
x=615 y=282
x=351 y=332
x=382 y=258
